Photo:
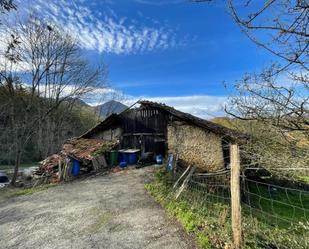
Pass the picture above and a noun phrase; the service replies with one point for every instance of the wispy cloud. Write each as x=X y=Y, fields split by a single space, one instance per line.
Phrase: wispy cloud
x=104 y=31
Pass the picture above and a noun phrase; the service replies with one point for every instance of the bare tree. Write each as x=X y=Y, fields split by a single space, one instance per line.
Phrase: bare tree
x=279 y=26
x=41 y=68
x=275 y=100
x=279 y=94
x=7 y=5
x=272 y=105
x=261 y=97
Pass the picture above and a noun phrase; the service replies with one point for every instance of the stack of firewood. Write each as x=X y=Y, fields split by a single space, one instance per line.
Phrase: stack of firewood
x=90 y=153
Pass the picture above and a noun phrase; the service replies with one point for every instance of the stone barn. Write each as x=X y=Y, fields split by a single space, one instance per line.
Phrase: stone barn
x=161 y=129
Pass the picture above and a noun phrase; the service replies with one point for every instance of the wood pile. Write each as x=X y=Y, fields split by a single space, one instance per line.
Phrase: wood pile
x=90 y=153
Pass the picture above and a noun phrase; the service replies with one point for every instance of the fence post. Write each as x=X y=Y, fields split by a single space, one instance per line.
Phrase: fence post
x=235 y=194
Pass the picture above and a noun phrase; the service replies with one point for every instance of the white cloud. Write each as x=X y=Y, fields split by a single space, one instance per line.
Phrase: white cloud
x=203 y=106
x=91 y=94
x=103 y=31
x=99 y=95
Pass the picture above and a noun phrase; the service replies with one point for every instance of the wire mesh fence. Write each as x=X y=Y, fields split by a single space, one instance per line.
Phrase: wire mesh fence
x=212 y=188
x=209 y=197
x=273 y=216
x=278 y=215
x=284 y=205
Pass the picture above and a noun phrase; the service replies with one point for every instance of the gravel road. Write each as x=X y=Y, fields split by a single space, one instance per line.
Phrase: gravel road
x=112 y=211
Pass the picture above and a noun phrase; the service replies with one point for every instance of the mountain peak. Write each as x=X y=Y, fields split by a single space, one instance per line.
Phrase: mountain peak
x=110 y=107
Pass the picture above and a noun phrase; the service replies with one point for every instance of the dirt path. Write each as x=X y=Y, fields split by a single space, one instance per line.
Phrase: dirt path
x=112 y=211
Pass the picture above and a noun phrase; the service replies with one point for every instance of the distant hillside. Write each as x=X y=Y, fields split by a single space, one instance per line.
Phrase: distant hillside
x=109 y=107
x=81 y=102
x=225 y=121
x=102 y=110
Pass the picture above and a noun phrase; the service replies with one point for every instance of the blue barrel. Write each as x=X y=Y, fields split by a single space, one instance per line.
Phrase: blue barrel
x=124 y=157
x=123 y=164
x=75 y=168
x=120 y=156
x=159 y=159
x=132 y=158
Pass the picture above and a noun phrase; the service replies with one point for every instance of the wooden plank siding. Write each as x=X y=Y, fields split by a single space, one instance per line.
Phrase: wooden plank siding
x=145 y=129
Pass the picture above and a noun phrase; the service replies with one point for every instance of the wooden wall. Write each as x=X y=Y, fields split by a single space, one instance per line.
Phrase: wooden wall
x=114 y=133
x=144 y=129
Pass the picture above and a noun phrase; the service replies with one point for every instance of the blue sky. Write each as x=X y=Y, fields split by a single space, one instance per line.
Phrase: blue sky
x=172 y=51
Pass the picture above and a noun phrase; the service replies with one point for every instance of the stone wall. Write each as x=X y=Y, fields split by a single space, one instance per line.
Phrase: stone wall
x=195 y=146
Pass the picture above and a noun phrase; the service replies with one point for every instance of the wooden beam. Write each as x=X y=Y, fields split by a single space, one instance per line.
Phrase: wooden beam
x=185 y=183
x=143 y=134
x=235 y=195
x=183 y=174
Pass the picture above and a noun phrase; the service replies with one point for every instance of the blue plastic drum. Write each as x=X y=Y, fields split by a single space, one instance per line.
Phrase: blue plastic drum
x=132 y=158
x=75 y=168
x=123 y=164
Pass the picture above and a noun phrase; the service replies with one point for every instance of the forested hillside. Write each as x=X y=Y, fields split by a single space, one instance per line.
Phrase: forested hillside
x=70 y=119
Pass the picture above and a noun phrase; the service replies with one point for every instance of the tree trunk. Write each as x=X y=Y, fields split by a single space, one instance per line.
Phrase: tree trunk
x=16 y=167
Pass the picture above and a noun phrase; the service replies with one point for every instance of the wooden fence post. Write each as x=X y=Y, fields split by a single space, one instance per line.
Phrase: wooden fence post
x=235 y=194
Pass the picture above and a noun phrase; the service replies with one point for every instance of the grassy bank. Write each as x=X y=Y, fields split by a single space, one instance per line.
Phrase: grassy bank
x=211 y=224
x=13 y=192
x=205 y=220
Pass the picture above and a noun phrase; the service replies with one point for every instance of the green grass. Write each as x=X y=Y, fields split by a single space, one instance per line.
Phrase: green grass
x=282 y=204
x=304 y=179
x=210 y=222
x=210 y=228
x=203 y=240
x=8 y=193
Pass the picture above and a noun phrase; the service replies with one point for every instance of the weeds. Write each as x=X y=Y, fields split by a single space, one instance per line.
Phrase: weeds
x=26 y=191
x=203 y=240
x=196 y=217
x=304 y=179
